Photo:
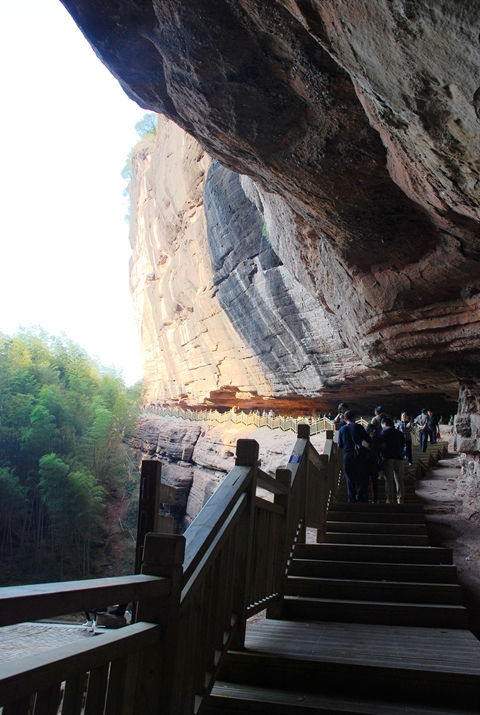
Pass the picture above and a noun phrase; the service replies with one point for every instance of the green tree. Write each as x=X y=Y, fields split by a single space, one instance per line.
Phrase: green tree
x=63 y=423
x=146 y=127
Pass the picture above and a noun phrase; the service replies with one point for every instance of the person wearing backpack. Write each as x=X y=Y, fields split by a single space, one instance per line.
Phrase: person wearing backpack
x=350 y=438
x=393 y=443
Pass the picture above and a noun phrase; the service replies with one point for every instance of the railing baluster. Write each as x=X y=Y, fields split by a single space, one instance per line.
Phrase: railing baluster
x=96 y=690
x=47 y=701
x=115 y=692
x=73 y=695
x=18 y=707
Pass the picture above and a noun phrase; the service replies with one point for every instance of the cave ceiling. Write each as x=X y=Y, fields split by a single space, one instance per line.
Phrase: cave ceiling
x=364 y=116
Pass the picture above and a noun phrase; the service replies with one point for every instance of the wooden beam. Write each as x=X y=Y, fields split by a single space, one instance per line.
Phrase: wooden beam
x=46 y=600
x=265 y=481
x=268 y=506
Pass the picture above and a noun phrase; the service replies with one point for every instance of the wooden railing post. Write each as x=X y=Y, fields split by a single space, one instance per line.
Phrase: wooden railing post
x=247 y=456
x=163 y=556
x=148 y=505
x=323 y=497
x=303 y=432
x=284 y=476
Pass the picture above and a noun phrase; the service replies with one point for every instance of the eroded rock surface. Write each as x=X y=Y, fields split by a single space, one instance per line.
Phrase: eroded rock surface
x=196 y=456
x=362 y=116
x=467 y=443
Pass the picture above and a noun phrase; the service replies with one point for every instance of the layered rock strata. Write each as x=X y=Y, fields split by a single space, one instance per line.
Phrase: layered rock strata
x=223 y=320
x=363 y=117
x=196 y=456
x=467 y=443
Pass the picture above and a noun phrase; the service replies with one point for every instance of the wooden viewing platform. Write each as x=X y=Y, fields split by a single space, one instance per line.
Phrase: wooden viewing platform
x=367 y=620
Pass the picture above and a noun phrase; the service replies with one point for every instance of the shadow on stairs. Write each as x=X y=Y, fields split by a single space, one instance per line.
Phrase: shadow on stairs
x=372 y=623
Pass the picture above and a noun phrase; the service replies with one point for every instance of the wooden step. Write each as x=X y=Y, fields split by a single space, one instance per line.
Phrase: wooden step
x=369 y=553
x=429 y=666
x=376 y=539
x=385 y=591
x=374 y=612
x=423 y=573
x=365 y=527
x=375 y=508
x=233 y=699
x=373 y=516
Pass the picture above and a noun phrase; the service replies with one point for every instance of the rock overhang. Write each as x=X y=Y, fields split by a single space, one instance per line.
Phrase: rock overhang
x=362 y=117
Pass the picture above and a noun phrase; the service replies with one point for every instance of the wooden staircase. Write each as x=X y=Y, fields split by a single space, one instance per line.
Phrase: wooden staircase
x=372 y=622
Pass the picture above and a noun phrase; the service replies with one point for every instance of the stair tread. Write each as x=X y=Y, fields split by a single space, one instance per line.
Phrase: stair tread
x=377 y=582
x=433 y=571
x=432 y=649
x=304 y=700
x=403 y=528
x=361 y=539
x=373 y=552
x=377 y=604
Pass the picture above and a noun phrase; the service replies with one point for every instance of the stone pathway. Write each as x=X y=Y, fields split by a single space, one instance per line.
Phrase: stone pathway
x=25 y=639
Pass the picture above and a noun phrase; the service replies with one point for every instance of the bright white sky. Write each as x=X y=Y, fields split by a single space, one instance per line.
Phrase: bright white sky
x=66 y=128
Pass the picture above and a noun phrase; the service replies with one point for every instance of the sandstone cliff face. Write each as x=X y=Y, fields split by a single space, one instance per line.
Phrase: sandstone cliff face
x=196 y=456
x=189 y=346
x=361 y=117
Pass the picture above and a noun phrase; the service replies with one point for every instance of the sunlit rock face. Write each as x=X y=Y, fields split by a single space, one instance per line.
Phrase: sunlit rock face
x=361 y=118
x=222 y=320
x=189 y=346
x=196 y=457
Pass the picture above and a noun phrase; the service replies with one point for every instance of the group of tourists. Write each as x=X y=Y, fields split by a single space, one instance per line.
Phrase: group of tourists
x=379 y=451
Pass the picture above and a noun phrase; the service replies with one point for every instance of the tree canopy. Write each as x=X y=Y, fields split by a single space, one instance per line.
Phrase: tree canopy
x=63 y=423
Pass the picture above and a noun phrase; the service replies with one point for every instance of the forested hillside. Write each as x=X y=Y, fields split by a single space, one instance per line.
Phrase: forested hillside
x=64 y=420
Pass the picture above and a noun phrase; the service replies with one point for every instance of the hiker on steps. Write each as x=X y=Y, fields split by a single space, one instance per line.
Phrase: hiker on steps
x=393 y=443
x=350 y=438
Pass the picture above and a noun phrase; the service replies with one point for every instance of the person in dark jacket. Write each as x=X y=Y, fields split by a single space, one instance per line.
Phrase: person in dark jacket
x=372 y=464
x=422 y=423
x=350 y=438
x=432 y=427
x=340 y=418
x=393 y=442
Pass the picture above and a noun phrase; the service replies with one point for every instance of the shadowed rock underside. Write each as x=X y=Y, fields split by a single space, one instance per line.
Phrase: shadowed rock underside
x=362 y=118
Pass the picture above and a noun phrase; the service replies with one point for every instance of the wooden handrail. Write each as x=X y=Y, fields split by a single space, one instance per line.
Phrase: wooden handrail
x=208 y=521
x=47 y=600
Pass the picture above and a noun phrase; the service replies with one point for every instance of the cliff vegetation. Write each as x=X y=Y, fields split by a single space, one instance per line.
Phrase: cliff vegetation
x=64 y=463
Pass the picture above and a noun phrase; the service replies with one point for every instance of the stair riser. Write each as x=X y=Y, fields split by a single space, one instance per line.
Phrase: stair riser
x=377 y=554
x=376 y=613
x=376 y=539
x=422 y=687
x=375 y=572
x=387 y=593
x=355 y=527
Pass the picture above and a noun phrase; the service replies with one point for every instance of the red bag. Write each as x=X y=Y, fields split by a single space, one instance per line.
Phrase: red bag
x=438 y=434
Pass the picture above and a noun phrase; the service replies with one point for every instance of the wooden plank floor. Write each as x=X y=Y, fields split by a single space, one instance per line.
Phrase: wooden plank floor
x=434 y=649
